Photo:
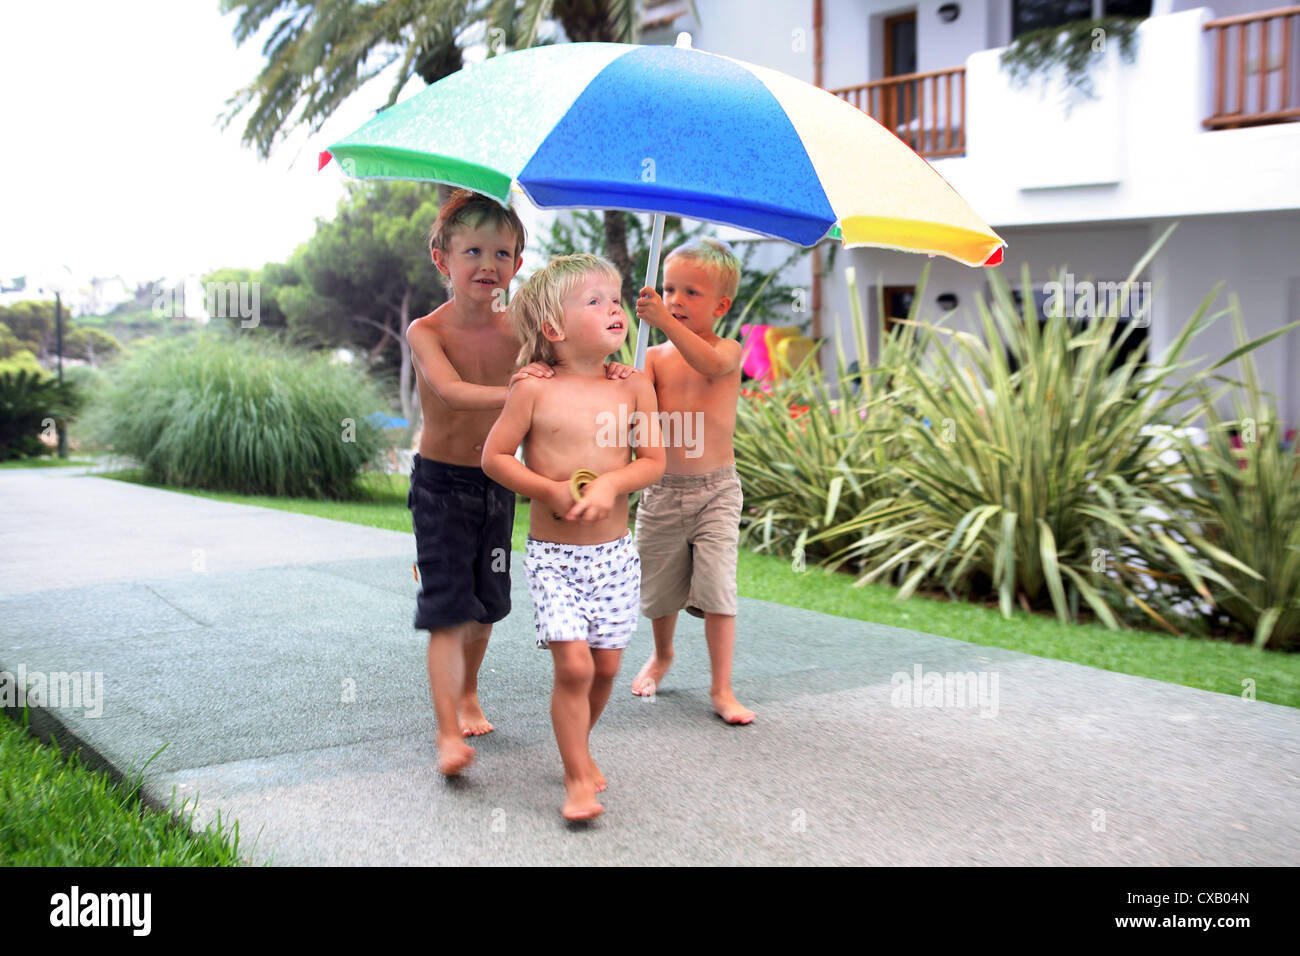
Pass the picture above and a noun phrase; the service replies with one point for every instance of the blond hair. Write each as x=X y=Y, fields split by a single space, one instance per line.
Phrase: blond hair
x=541 y=300
x=716 y=258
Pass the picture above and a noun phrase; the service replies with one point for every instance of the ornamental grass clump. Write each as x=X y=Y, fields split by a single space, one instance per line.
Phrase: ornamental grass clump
x=243 y=414
x=815 y=451
x=1245 y=497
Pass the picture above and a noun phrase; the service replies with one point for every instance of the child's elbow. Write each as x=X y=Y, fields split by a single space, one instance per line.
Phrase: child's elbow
x=451 y=397
x=657 y=463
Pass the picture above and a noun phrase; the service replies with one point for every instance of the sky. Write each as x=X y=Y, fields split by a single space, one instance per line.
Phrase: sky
x=114 y=160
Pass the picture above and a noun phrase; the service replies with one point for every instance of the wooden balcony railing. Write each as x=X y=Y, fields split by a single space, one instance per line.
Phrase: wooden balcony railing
x=927 y=111
x=1256 y=68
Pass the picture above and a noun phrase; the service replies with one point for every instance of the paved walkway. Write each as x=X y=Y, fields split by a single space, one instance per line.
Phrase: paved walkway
x=272 y=653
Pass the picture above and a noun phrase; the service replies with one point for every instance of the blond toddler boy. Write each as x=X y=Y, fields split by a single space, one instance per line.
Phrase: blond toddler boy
x=688 y=525
x=583 y=570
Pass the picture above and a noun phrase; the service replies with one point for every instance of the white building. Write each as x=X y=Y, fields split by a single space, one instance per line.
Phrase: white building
x=95 y=296
x=1199 y=129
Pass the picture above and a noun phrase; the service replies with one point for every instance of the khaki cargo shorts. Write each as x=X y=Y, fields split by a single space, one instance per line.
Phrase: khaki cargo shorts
x=687 y=532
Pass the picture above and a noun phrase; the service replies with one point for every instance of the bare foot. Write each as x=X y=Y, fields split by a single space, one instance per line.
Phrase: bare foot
x=472 y=721
x=731 y=710
x=454 y=756
x=648 y=677
x=599 y=777
x=580 y=801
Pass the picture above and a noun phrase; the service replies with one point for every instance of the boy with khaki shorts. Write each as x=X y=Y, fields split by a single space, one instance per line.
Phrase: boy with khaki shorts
x=688 y=525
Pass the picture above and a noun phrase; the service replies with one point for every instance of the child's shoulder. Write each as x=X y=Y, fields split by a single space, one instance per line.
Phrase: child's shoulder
x=435 y=321
x=448 y=319
x=531 y=387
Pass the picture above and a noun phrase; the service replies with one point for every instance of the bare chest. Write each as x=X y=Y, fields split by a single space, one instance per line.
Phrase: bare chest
x=481 y=358
x=679 y=386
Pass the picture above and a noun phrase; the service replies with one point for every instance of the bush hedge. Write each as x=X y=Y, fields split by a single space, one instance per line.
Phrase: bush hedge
x=240 y=413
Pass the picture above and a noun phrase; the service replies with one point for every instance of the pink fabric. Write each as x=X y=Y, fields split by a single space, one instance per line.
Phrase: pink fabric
x=755 y=360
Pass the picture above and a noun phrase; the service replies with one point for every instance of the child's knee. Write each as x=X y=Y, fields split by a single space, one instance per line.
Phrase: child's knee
x=605 y=669
x=574 y=671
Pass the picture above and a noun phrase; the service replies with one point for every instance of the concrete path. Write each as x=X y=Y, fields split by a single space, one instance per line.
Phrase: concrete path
x=273 y=654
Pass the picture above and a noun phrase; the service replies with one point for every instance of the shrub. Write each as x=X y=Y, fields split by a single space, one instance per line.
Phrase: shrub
x=30 y=404
x=21 y=360
x=1244 y=495
x=1043 y=485
x=242 y=414
x=817 y=452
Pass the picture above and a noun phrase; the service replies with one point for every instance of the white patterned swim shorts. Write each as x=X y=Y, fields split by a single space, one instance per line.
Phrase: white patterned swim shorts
x=584 y=592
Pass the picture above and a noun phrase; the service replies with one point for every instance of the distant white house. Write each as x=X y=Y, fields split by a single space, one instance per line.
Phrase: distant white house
x=1201 y=129
x=80 y=296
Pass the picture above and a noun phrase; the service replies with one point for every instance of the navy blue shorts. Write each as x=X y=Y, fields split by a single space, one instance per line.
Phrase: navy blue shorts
x=463 y=521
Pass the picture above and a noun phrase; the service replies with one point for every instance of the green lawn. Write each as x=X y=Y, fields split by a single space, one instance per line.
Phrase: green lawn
x=49 y=462
x=55 y=812
x=1206 y=664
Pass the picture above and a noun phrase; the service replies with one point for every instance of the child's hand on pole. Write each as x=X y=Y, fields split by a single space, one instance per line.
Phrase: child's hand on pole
x=651 y=308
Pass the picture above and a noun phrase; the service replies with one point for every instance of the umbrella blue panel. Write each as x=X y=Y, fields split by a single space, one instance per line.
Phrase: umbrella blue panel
x=667 y=130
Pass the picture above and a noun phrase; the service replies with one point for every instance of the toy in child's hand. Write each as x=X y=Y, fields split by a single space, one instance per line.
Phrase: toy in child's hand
x=579 y=480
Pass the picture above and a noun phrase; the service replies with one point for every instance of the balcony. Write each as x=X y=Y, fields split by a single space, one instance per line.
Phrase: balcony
x=927 y=111
x=1256 y=72
x=1253 y=68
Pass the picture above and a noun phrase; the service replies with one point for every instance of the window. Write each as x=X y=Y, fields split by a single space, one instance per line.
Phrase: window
x=1027 y=15
x=898 y=303
x=1091 y=305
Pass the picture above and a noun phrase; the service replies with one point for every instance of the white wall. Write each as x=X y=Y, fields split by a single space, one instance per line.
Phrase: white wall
x=1229 y=8
x=850 y=53
x=943 y=45
x=1255 y=256
x=852 y=36
x=1138 y=153
x=770 y=33
x=1258 y=258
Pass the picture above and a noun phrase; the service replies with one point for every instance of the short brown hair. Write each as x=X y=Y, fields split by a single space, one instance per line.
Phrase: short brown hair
x=469 y=210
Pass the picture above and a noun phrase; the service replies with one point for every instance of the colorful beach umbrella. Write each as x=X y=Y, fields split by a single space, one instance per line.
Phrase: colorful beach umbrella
x=671 y=130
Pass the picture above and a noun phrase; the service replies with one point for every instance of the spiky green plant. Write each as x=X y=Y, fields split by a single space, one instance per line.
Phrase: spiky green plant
x=1043 y=485
x=32 y=402
x=816 y=451
x=1246 y=501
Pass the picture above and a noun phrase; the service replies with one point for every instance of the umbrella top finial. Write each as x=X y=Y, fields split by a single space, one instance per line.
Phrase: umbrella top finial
x=683 y=41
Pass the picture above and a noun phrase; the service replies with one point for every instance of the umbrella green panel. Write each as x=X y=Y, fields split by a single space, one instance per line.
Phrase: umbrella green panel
x=478 y=127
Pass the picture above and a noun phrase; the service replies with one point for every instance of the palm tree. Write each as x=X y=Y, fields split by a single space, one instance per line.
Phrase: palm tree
x=320 y=52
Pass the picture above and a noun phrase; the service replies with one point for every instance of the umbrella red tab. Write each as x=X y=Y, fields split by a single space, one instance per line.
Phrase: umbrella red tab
x=323 y=159
x=996 y=258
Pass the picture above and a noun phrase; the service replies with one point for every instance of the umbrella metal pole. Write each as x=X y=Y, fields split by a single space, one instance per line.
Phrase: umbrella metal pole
x=651 y=279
